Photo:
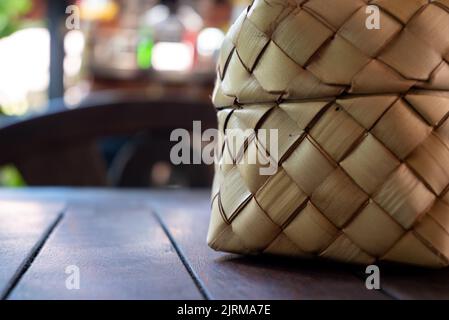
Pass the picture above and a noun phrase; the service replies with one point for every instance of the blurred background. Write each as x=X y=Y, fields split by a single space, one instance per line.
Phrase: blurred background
x=91 y=89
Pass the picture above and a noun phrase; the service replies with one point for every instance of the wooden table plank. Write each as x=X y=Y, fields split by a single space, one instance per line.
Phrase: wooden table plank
x=401 y=282
x=415 y=283
x=227 y=276
x=186 y=215
x=121 y=252
x=24 y=227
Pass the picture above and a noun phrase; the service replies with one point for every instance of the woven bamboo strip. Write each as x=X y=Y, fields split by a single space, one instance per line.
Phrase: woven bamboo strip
x=361 y=114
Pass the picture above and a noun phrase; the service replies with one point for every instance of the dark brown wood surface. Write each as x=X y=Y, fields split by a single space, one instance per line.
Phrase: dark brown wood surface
x=121 y=253
x=229 y=276
x=152 y=245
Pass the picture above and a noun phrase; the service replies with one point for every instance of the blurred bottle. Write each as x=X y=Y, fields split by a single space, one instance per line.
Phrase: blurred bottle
x=168 y=37
x=145 y=49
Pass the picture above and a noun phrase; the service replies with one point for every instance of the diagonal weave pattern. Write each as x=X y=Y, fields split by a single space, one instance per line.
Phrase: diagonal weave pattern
x=363 y=132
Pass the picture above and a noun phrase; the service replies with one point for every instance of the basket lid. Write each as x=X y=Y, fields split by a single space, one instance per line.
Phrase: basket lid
x=309 y=49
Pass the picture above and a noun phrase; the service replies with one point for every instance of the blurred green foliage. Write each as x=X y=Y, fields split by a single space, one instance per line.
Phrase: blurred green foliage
x=10 y=12
x=10 y=176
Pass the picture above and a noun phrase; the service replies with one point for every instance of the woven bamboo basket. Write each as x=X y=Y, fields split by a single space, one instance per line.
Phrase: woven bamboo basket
x=363 y=135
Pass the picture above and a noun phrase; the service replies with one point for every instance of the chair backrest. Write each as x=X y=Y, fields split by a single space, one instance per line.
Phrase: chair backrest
x=59 y=147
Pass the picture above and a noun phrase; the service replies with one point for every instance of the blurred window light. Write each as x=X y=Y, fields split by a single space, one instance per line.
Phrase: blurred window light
x=209 y=41
x=74 y=43
x=73 y=96
x=24 y=65
x=24 y=68
x=172 y=56
x=72 y=65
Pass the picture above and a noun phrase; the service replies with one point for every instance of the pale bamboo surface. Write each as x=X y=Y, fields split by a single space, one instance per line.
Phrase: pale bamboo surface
x=363 y=132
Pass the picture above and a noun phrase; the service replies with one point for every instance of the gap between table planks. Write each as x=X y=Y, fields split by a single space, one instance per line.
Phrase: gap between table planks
x=228 y=276
x=120 y=250
x=24 y=227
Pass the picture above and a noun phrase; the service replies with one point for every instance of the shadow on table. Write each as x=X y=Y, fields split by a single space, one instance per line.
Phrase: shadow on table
x=397 y=281
x=294 y=264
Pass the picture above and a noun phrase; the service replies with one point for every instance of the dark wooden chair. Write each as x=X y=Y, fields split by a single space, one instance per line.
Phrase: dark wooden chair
x=61 y=147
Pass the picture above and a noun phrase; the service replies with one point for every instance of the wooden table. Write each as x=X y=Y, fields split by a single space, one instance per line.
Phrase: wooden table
x=151 y=245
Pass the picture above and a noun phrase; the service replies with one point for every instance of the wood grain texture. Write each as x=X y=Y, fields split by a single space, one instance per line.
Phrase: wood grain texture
x=121 y=253
x=415 y=283
x=140 y=258
x=23 y=228
x=228 y=276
